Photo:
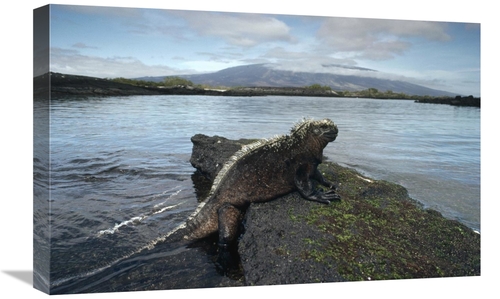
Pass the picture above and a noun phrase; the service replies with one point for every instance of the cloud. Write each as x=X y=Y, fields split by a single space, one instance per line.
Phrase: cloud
x=303 y=61
x=243 y=30
x=70 y=61
x=221 y=56
x=237 y=29
x=377 y=39
x=83 y=46
x=138 y=21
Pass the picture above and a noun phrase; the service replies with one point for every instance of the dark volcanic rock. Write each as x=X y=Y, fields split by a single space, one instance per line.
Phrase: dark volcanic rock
x=274 y=246
x=456 y=101
x=61 y=85
x=375 y=232
x=210 y=153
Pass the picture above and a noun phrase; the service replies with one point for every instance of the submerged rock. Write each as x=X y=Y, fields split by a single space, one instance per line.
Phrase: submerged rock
x=375 y=232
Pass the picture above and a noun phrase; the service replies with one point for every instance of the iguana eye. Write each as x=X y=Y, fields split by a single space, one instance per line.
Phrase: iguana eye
x=316 y=131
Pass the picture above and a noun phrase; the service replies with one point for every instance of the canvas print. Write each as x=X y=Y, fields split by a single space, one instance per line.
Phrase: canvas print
x=192 y=149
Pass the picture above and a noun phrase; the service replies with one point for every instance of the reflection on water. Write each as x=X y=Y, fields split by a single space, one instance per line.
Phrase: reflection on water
x=121 y=178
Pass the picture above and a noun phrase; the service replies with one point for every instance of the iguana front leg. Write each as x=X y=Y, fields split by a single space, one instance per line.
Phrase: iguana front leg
x=306 y=187
x=323 y=181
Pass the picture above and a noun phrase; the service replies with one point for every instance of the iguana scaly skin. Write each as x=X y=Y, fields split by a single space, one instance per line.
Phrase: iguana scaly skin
x=260 y=172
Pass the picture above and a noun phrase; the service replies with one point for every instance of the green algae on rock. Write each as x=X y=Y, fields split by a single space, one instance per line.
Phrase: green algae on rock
x=380 y=233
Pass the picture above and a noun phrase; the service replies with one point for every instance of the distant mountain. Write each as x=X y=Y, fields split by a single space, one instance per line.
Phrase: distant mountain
x=263 y=75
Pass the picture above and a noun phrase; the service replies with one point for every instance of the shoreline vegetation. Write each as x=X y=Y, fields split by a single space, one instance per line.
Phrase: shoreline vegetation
x=63 y=85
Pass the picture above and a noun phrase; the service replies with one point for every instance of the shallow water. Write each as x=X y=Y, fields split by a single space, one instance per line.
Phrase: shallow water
x=121 y=177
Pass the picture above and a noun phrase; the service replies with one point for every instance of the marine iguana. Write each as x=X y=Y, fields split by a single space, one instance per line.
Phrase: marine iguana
x=260 y=172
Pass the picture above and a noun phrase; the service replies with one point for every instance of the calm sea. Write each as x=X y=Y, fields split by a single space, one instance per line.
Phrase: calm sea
x=121 y=177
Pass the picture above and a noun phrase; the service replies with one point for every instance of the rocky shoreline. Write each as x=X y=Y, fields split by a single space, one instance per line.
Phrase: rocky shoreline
x=376 y=232
x=456 y=101
x=62 y=85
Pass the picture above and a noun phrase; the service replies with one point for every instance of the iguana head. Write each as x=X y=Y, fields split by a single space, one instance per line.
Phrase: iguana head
x=323 y=130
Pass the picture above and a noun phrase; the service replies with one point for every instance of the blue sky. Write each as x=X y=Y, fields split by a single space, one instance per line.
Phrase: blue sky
x=132 y=42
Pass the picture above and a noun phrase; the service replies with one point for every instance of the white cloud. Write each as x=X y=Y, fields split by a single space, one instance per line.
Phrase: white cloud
x=83 y=46
x=72 y=62
x=244 y=30
x=376 y=39
x=304 y=61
